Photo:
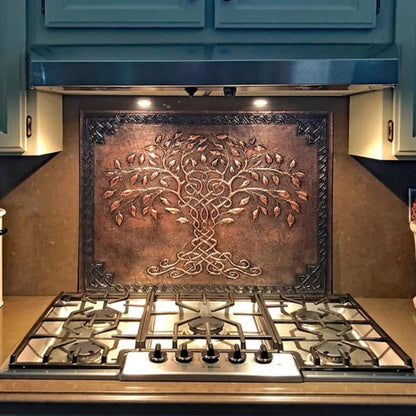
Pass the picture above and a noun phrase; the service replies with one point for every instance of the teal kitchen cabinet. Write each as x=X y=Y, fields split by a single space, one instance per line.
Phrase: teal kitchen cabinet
x=12 y=76
x=299 y=14
x=383 y=123
x=210 y=22
x=125 y=13
x=30 y=122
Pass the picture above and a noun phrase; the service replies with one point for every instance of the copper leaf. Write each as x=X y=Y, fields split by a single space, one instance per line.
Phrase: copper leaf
x=108 y=194
x=283 y=194
x=276 y=180
x=193 y=137
x=153 y=213
x=164 y=200
x=117 y=164
x=235 y=210
x=130 y=158
x=264 y=199
x=278 y=157
x=163 y=182
x=152 y=162
x=276 y=210
x=154 y=175
x=114 y=181
x=145 y=210
x=134 y=179
x=172 y=210
x=133 y=210
x=119 y=218
x=245 y=201
x=255 y=176
x=268 y=159
x=296 y=182
x=299 y=174
x=141 y=159
x=265 y=180
x=252 y=141
x=146 y=198
x=221 y=136
x=263 y=210
x=292 y=164
x=126 y=192
x=255 y=213
x=302 y=195
x=227 y=220
x=114 y=205
x=290 y=220
x=294 y=205
x=145 y=180
x=182 y=220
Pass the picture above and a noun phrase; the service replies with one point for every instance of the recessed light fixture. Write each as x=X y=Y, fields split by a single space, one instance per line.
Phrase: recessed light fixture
x=144 y=103
x=260 y=102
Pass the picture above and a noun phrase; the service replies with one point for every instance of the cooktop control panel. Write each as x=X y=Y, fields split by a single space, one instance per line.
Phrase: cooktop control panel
x=140 y=365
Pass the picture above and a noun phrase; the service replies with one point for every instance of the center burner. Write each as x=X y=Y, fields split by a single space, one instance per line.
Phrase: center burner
x=205 y=325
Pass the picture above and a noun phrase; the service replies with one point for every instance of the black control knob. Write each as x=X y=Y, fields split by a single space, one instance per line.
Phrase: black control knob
x=210 y=355
x=158 y=356
x=184 y=356
x=263 y=356
x=236 y=356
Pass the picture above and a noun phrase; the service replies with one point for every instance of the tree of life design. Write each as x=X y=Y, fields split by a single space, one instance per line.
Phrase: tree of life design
x=205 y=182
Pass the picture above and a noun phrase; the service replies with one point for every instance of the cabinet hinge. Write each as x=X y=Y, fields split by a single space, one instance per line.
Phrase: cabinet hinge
x=377 y=6
x=29 y=126
x=43 y=7
x=390 y=130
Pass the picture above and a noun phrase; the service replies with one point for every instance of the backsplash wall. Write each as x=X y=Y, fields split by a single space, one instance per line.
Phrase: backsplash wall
x=372 y=245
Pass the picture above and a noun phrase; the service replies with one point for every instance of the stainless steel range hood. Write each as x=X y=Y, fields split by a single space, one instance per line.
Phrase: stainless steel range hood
x=115 y=69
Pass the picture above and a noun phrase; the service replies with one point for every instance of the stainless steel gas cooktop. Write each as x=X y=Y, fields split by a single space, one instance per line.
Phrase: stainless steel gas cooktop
x=256 y=336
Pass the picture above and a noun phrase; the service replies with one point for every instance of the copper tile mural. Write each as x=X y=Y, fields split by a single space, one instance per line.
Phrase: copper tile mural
x=231 y=199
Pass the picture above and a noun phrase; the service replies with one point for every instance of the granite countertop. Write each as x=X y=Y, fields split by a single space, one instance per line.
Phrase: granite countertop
x=396 y=316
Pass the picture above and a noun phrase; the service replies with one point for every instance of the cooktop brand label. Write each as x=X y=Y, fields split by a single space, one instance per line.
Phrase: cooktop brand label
x=200 y=198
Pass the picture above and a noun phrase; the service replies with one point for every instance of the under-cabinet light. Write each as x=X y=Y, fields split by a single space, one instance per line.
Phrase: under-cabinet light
x=260 y=102
x=144 y=103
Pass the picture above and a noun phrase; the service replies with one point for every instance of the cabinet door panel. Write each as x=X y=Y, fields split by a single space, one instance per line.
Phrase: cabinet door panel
x=125 y=13
x=301 y=14
x=12 y=76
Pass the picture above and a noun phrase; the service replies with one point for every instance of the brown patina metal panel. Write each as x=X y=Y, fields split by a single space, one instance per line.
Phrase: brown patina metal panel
x=219 y=200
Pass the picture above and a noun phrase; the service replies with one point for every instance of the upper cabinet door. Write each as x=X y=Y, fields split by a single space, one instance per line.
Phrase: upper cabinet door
x=295 y=14
x=12 y=76
x=125 y=13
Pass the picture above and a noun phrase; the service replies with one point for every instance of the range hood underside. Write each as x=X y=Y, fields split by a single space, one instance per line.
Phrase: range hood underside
x=293 y=70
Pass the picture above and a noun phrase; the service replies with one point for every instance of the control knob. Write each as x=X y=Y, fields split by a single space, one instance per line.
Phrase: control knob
x=158 y=356
x=262 y=356
x=210 y=355
x=184 y=356
x=236 y=356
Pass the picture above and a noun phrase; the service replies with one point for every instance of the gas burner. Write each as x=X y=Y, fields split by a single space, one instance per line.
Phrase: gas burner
x=101 y=317
x=205 y=324
x=333 y=352
x=84 y=352
x=321 y=322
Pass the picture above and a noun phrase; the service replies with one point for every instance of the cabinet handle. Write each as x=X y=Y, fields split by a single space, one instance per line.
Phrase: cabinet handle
x=3 y=231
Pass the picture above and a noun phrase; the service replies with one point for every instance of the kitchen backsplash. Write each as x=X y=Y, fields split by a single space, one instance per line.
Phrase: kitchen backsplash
x=230 y=198
x=372 y=245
